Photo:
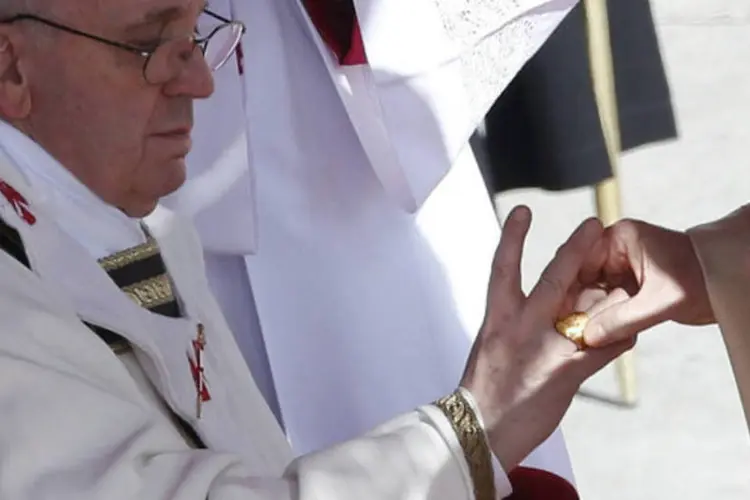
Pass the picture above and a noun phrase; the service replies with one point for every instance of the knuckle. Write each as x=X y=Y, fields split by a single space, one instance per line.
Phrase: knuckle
x=500 y=271
x=564 y=251
x=498 y=323
x=629 y=228
x=560 y=251
x=505 y=320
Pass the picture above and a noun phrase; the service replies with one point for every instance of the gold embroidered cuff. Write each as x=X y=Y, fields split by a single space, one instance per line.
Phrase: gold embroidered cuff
x=473 y=442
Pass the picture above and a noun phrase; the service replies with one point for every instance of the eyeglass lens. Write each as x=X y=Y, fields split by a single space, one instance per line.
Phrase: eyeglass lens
x=221 y=46
x=171 y=58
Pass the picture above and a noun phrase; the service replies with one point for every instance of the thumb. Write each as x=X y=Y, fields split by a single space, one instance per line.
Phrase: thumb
x=620 y=317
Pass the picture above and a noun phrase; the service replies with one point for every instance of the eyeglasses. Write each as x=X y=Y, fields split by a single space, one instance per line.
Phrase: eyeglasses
x=167 y=61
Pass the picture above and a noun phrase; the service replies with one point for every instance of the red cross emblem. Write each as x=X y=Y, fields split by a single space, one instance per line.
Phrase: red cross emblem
x=18 y=202
x=197 y=370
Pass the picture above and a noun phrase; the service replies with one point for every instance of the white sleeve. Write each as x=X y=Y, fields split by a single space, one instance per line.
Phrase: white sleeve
x=75 y=427
x=415 y=456
x=722 y=250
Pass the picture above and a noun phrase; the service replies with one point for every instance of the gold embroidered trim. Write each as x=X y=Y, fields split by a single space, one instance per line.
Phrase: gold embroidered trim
x=126 y=257
x=473 y=442
x=121 y=347
x=152 y=292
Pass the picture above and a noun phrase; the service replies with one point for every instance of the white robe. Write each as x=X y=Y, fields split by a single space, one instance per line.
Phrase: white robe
x=357 y=282
x=80 y=424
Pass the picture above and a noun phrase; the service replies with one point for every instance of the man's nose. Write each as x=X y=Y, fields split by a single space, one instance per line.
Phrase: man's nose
x=195 y=81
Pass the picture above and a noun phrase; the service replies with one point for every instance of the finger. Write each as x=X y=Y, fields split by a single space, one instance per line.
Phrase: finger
x=581 y=299
x=593 y=266
x=505 y=279
x=622 y=318
x=588 y=299
x=589 y=361
x=612 y=298
x=548 y=296
x=622 y=257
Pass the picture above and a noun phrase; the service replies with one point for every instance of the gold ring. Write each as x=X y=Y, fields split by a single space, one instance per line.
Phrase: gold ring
x=572 y=327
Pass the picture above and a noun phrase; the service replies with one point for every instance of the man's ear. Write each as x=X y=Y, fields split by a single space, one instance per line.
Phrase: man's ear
x=15 y=95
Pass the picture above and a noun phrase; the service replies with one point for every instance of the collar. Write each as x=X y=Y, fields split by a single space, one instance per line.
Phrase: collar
x=100 y=228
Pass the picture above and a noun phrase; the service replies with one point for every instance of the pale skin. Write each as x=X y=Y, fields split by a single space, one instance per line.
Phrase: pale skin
x=89 y=106
x=652 y=274
x=522 y=372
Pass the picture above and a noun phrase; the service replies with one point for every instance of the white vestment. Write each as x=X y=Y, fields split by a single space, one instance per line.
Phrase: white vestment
x=357 y=281
x=80 y=424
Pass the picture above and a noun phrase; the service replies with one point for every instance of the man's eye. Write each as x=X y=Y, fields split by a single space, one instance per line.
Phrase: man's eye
x=150 y=44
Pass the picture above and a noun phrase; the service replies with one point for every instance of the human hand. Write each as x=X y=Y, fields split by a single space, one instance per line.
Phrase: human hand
x=653 y=275
x=522 y=373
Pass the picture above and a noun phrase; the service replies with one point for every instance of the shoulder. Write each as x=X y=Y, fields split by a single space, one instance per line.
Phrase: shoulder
x=42 y=331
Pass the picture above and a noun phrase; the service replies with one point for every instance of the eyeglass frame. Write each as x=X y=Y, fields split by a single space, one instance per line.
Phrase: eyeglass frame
x=200 y=42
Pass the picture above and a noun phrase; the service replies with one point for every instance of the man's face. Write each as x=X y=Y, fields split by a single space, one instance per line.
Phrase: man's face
x=92 y=109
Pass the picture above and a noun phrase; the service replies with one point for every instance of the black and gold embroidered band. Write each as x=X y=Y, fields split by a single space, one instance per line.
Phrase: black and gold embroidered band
x=141 y=274
x=472 y=438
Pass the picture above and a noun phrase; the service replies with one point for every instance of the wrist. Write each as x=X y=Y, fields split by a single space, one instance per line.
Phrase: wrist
x=702 y=308
x=508 y=441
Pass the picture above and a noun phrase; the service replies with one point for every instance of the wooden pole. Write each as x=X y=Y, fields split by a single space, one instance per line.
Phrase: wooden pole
x=607 y=193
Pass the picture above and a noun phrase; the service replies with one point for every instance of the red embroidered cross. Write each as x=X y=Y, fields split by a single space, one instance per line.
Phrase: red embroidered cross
x=197 y=370
x=18 y=202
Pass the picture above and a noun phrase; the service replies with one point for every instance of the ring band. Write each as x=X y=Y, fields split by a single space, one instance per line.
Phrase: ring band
x=572 y=327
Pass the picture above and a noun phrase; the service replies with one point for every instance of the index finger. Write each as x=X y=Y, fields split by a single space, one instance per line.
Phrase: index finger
x=505 y=278
x=562 y=272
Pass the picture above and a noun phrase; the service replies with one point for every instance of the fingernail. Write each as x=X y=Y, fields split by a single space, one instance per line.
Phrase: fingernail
x=520 y=213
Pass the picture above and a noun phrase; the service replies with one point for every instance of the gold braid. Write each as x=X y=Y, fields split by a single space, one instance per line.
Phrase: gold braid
x=473 y=441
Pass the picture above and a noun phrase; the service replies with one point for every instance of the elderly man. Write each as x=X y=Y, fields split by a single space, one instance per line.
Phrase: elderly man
x=119 y=378
x=354 y=287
